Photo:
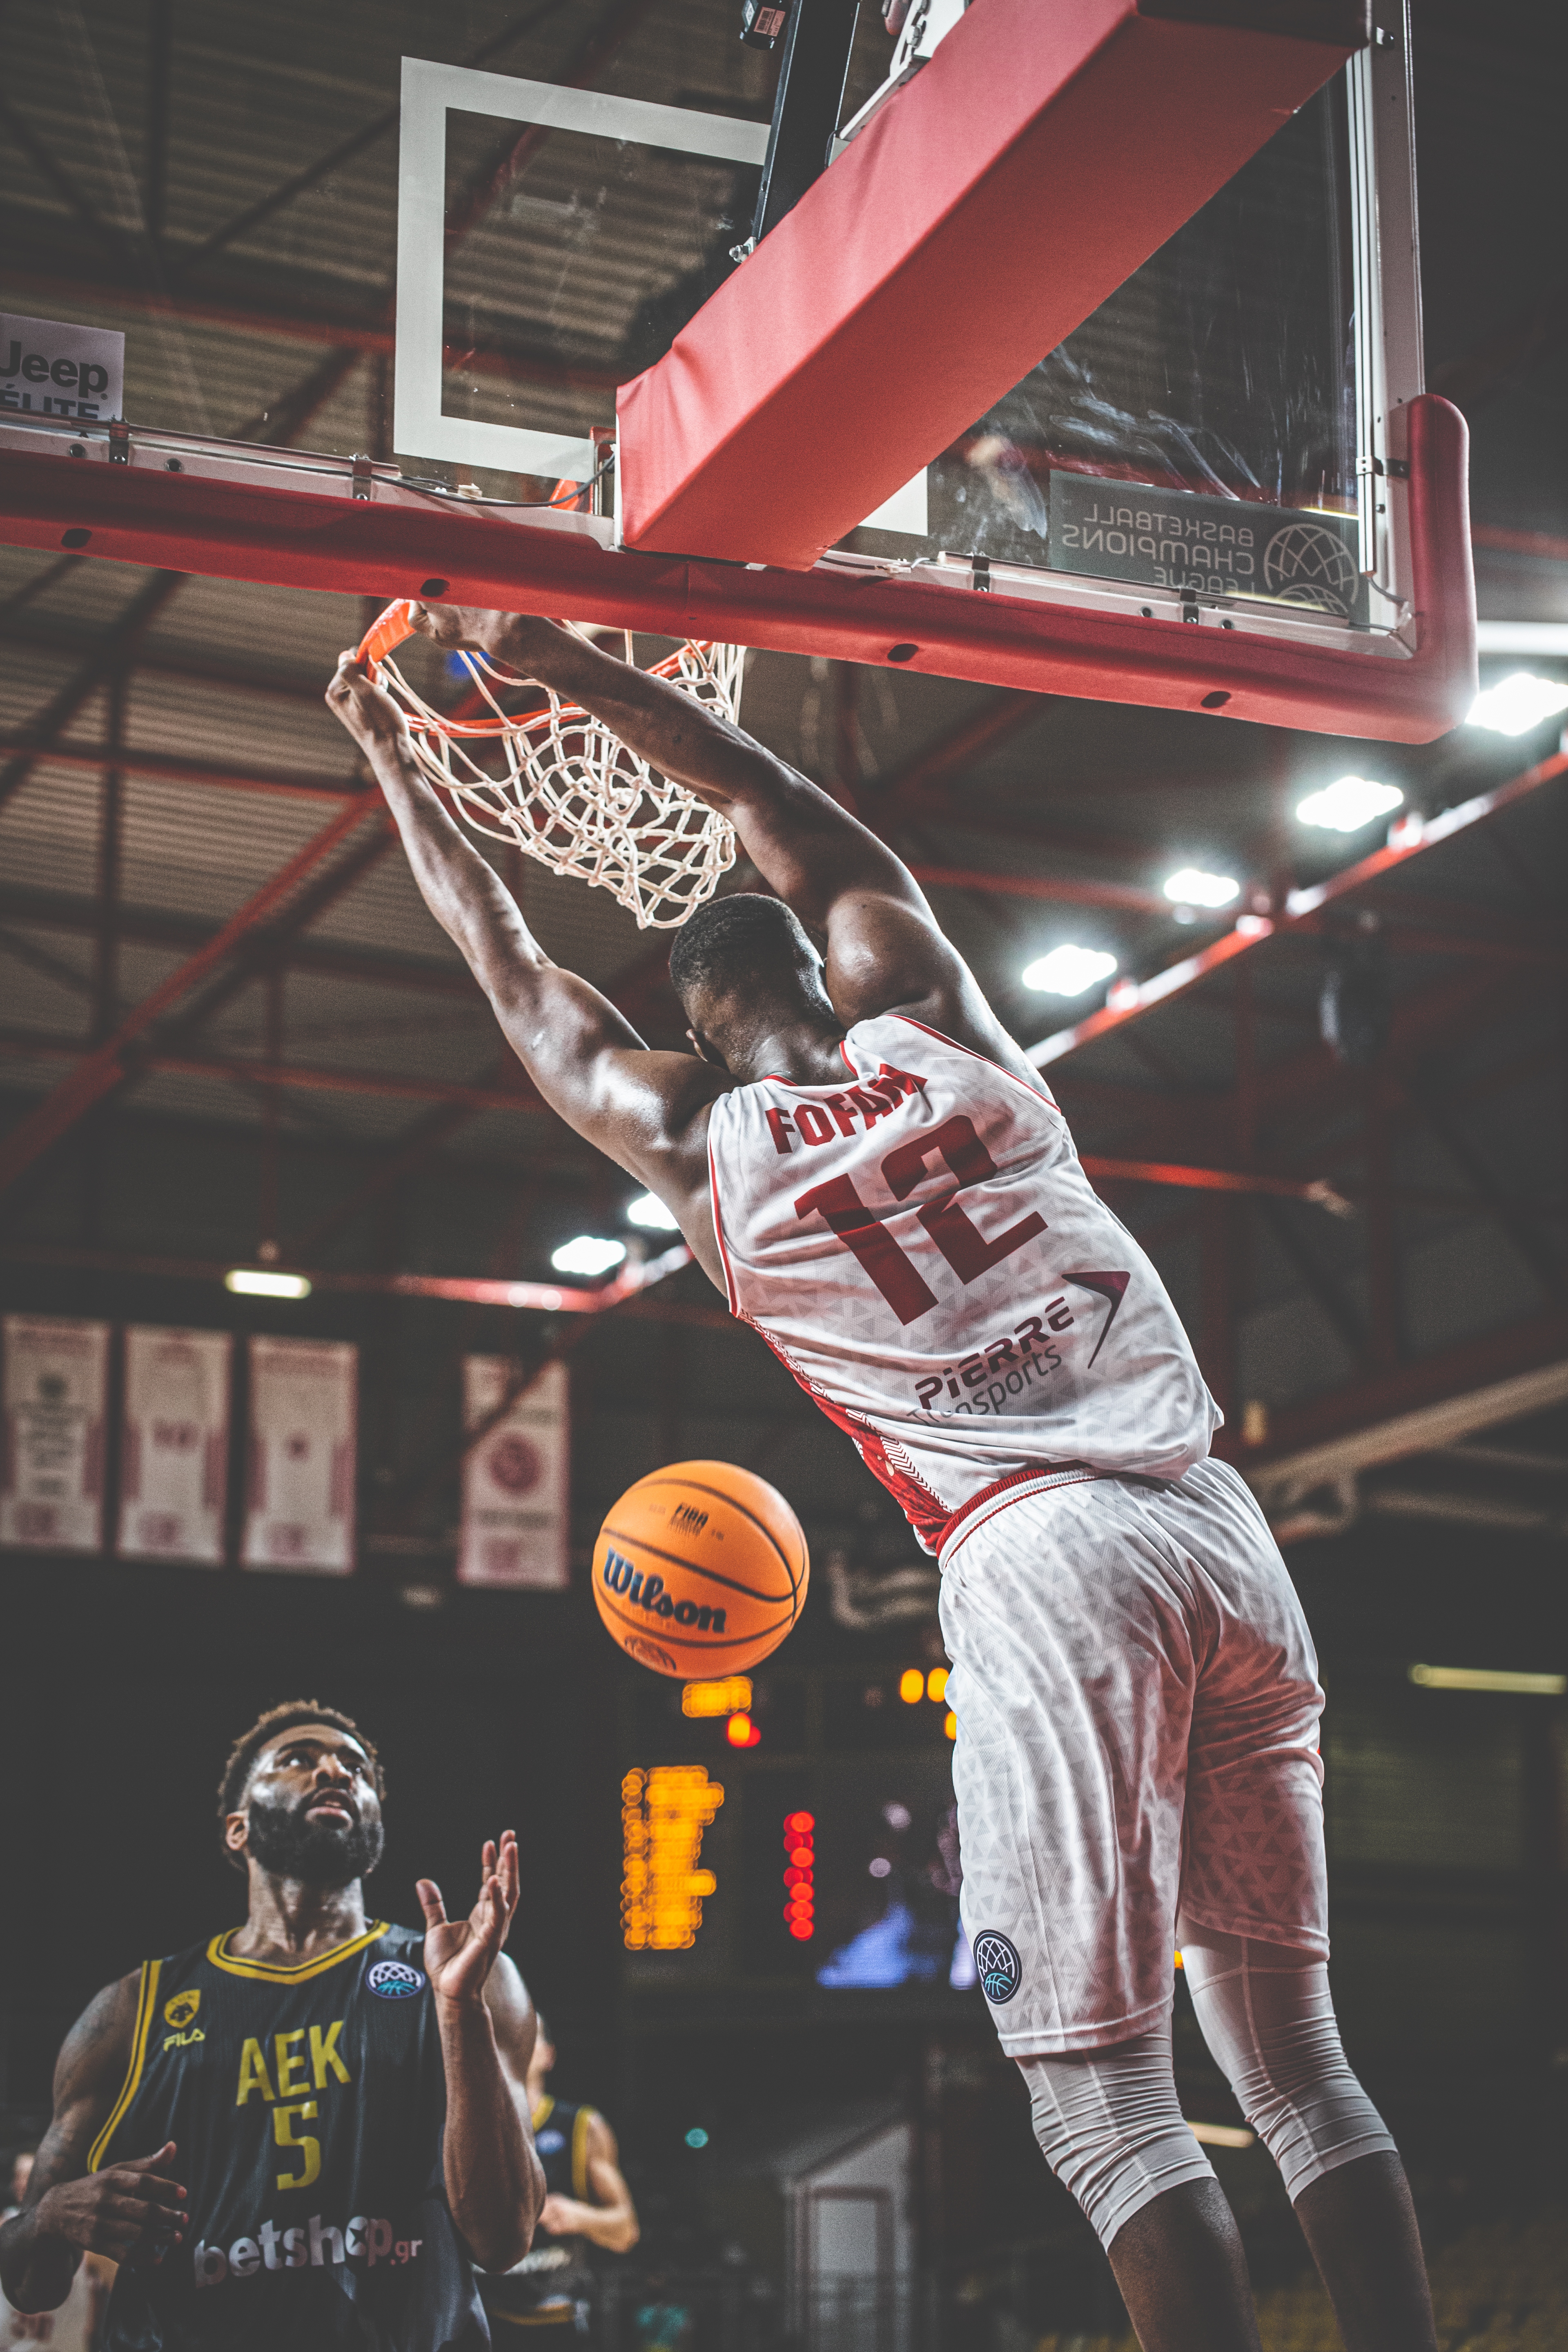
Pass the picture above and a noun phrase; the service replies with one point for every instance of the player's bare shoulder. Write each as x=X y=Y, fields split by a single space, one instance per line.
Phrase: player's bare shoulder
x=889 y=956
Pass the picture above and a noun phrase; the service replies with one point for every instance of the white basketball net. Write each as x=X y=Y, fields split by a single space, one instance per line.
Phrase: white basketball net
x=574 y=796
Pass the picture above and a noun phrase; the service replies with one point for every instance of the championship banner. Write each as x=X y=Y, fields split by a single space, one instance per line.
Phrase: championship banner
x=517 y=1479
x=51 y=1487
x=174 y=1459
x=303 y=1408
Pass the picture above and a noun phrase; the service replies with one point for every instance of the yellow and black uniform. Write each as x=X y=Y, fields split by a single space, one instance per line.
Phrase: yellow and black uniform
x=307 y=2102
x=552 y=2281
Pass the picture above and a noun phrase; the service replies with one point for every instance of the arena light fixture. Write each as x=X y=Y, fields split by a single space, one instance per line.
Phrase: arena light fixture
x=1490 y=1678
x=1068 y=969
x=936 y=1684
x=260 y=1282
x=588 y=1254
x=1517 y=704
x=1348 y=803
x=912 y=1686
x=879 y=1867
x=741 y=1732
x=1193 y=888
x=649 y=1211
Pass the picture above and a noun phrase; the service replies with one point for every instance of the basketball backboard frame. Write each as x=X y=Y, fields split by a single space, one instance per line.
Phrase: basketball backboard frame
x=241 y=511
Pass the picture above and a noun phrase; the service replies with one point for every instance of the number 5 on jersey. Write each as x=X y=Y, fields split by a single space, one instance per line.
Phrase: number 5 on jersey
x=963 y=1246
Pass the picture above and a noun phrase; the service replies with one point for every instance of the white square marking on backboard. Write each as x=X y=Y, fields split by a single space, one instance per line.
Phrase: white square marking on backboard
x=429 y=92
x=905 y=511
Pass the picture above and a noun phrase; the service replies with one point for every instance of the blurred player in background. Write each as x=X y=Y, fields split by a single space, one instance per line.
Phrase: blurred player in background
x=587 y=2203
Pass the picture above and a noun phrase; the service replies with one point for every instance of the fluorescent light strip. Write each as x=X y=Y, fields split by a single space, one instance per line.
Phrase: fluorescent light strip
x=1488 y=1678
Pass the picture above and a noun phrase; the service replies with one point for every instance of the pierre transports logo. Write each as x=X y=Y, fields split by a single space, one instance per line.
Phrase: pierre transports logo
x=394 y=1980
x=997 y=1966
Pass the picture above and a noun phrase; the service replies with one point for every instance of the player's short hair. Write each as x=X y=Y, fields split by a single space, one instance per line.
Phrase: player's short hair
x=745 y=938
x=242 y=1756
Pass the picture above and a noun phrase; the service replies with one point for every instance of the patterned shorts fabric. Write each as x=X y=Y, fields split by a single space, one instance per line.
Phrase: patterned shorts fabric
x=1138 y=1703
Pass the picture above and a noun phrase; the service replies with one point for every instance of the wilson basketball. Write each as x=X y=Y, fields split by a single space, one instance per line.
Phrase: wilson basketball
x=700 y=1570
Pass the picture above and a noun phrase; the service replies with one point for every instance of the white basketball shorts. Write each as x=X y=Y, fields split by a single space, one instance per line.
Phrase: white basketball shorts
x=1137 y=1703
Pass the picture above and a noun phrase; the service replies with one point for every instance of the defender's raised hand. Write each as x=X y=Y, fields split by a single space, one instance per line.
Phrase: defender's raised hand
x=460 y=1953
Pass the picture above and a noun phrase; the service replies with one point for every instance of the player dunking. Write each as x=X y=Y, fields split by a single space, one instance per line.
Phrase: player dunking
x=865 y=1163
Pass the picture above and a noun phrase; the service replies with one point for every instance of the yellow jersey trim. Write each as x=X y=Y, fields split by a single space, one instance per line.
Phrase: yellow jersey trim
x=585 y=2116
x=146 y=2003
x=544 y=2111
x=289 y=1971
x=562 y=2316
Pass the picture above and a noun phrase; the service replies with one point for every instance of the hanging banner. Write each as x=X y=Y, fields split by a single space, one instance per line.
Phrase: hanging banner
x=517 y=1479
x=304 y=1403
x=173 y=1457
x=51 y=1489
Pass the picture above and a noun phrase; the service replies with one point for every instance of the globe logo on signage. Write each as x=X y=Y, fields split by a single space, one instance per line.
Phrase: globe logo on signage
x=997 y=1966
x=1308 y=563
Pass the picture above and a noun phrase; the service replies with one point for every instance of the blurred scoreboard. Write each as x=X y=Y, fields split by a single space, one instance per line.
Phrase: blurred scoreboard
x=796 y=1828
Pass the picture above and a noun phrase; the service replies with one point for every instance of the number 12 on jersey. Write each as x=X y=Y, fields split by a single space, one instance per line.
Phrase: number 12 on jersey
x=963 y=1246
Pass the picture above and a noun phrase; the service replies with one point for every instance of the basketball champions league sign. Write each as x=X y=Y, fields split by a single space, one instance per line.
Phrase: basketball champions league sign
x=1206 y=546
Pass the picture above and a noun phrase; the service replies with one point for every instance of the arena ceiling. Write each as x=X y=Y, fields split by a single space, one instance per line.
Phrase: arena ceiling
x=221 y=183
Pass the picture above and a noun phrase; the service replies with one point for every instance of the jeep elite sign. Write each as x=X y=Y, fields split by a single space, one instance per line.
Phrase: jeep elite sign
x=50 y=370
x=1208 y=547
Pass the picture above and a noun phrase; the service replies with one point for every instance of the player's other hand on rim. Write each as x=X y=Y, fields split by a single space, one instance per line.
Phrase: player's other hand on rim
x=516 y=639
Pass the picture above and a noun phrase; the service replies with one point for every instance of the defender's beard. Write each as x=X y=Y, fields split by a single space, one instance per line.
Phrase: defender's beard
x=321 y=1854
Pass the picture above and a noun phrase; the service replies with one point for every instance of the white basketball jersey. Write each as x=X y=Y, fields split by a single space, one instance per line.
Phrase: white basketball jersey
x=923 y=1251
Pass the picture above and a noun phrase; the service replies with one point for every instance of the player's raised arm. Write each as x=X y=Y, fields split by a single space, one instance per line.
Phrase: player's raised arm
x=645 y=1109
x=884 y=949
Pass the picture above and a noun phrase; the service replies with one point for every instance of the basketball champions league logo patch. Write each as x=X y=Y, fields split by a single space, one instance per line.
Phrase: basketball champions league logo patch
x=394 y=1980
x=997 y=1966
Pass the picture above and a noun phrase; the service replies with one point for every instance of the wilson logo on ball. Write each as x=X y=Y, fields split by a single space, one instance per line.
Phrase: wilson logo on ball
x=647 y=1591
x=708 y=1559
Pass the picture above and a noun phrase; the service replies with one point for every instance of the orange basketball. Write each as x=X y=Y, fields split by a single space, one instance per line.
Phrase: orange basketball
x=700 y=1570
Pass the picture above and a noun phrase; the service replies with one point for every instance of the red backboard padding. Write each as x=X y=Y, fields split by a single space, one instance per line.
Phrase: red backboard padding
x=389 y=545
x=995 y=201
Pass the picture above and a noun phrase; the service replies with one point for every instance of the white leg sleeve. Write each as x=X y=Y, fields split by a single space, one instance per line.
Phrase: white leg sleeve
x=1269 y=2018
x=1111 y=2128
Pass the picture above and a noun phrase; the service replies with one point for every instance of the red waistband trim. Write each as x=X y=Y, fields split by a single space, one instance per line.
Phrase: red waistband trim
x=1048 y=1474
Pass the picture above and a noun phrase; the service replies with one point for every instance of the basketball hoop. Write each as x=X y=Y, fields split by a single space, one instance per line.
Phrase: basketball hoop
x=572 y=794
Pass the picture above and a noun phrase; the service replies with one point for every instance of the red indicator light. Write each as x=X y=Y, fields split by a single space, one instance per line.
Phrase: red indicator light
x=800 y=1860
x=741 y=1732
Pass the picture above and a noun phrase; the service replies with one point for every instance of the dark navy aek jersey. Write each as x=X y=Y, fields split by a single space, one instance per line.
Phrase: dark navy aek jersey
x=307 y=2103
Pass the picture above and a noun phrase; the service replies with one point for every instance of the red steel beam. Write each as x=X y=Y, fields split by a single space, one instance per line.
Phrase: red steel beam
x=393 y=544
x=1455 y=1371
x=626 y=1294
x=171 y=769
x=1044 y=138
x=17 y=1045
x=1131 y=1001
x=100 y=1071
